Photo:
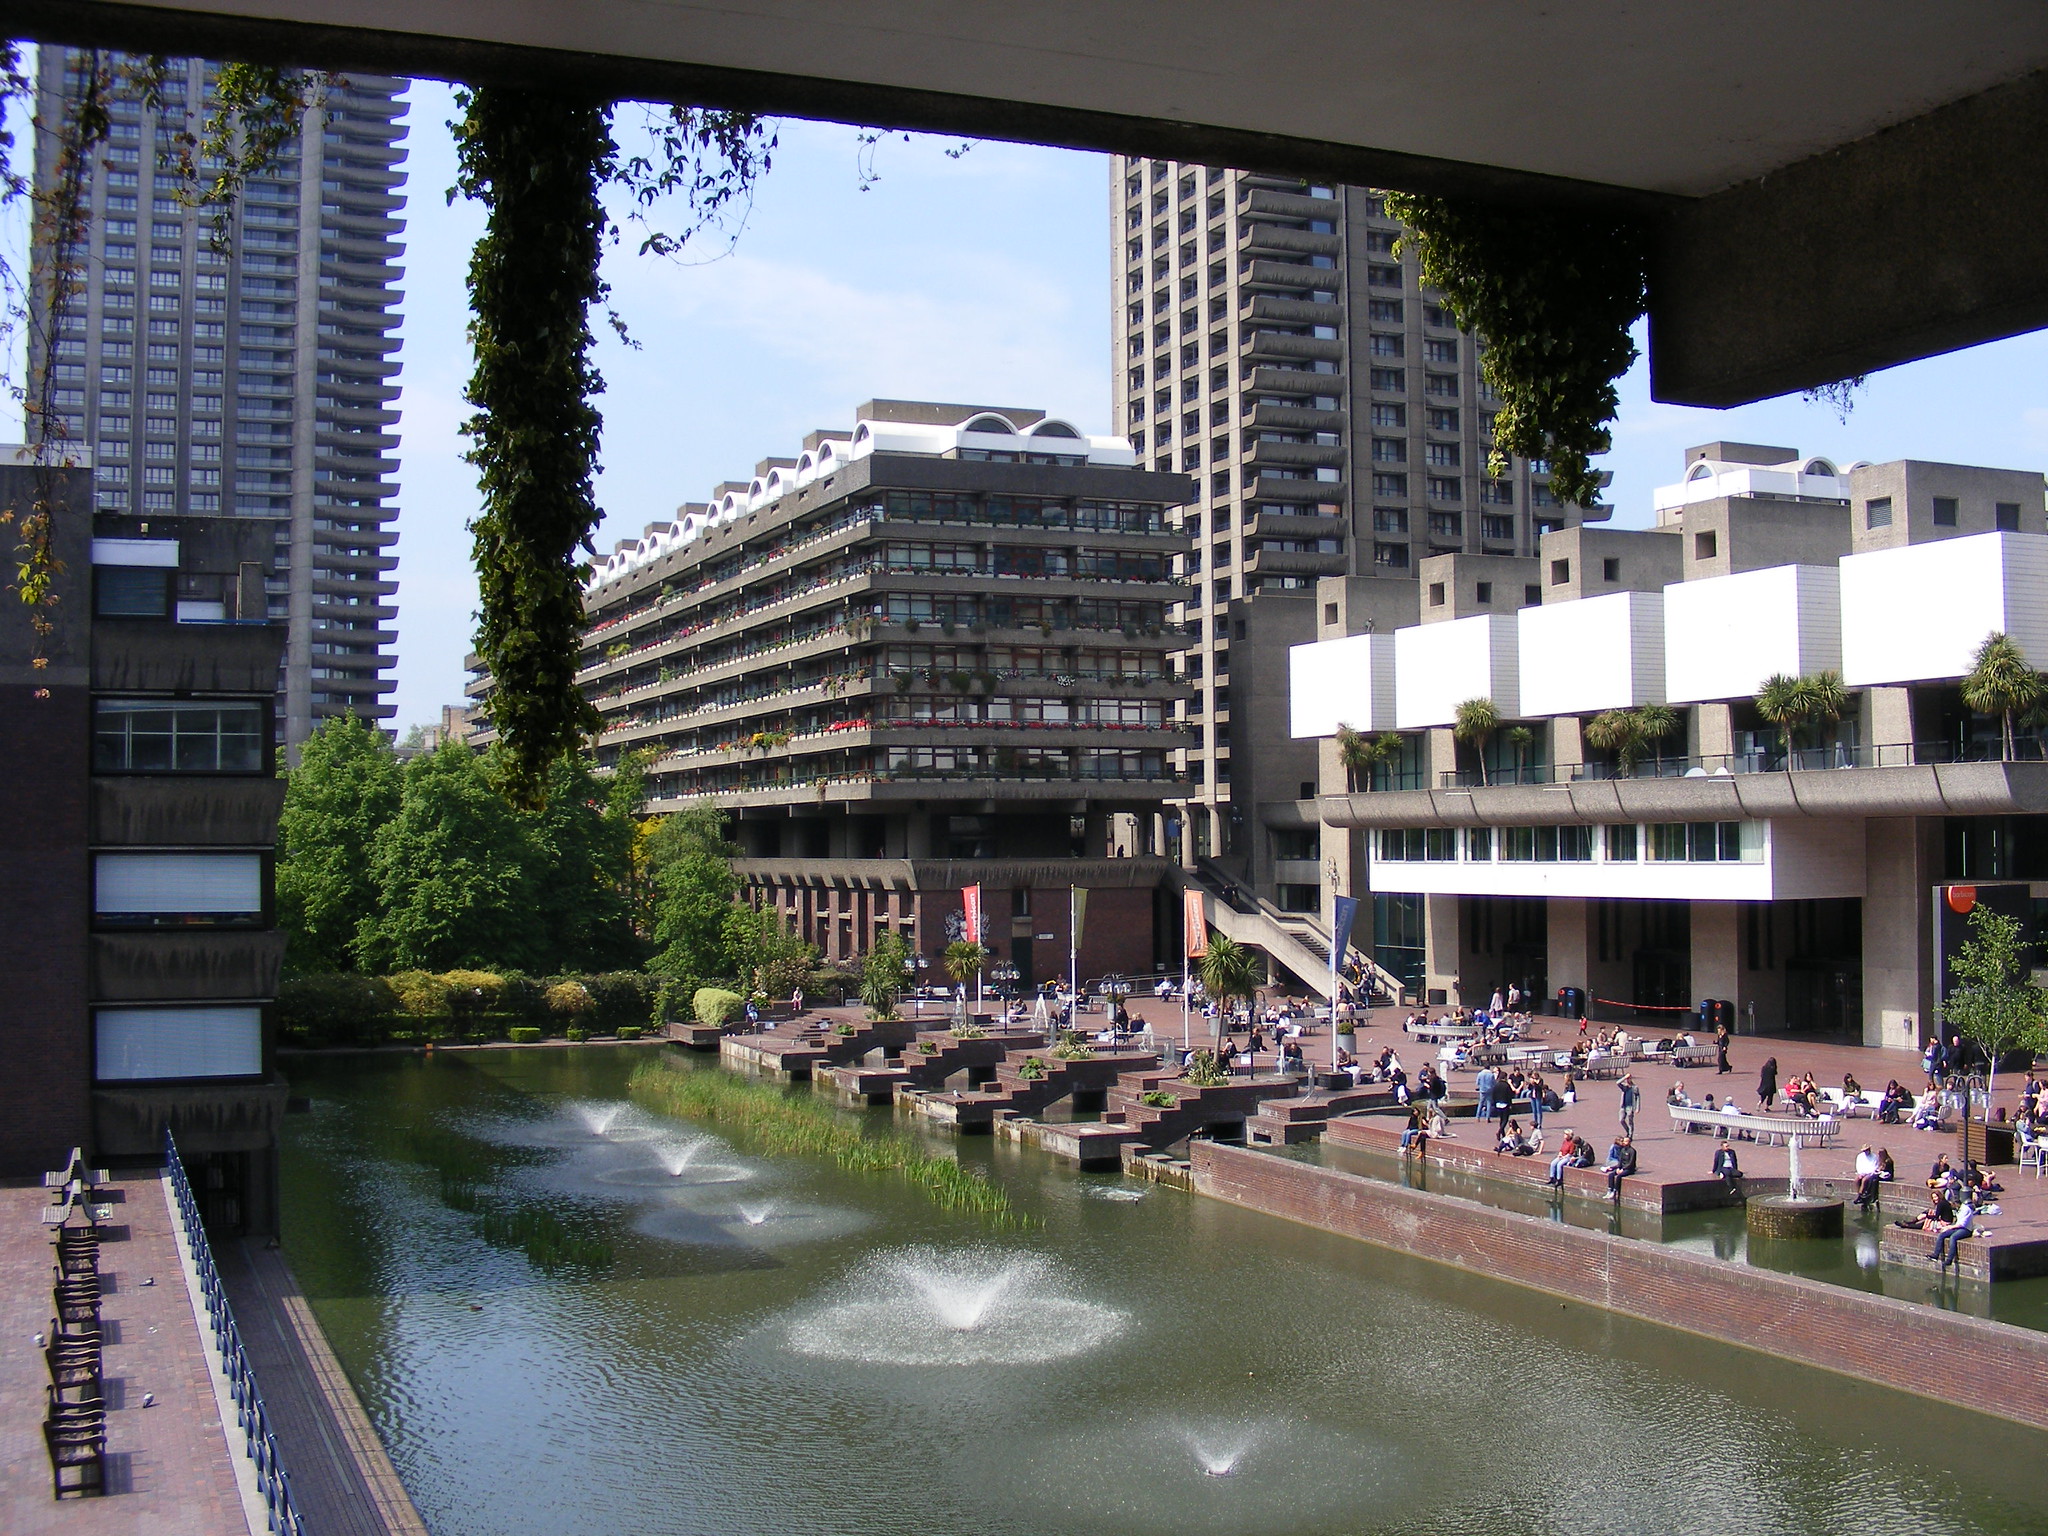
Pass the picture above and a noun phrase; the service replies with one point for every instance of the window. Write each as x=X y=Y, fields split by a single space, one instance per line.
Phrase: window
x=1610 y=570
x=1383 y=277
x=1440 y=845
x=131 y=592
x=1389 y=450
x=1388 y=310
x=1437 y=351
x=1499 y=528
x=1944 y=511
x=1389 y=520
x=154 y=890
x=1560 y=573
x=1699 y=842
x=1704 y=546
x=1390 y=556
x=1877 y=512
x=1532 y=594
x=1447 y=525
x=1388 y=346
x=1621 y=843
x=1443 y=419
x=1329 y=613
x=1443 y=488
x=1391 y=380
x=1479 y=844
x=1483 y=592
x=1389 y=415
x=1444 y=386
x=1497 y=493
x=1436 y=594
x=139 y=1044
x=2005 y=516
x=178 y=736
x=1443 y=455
x=1390 y=487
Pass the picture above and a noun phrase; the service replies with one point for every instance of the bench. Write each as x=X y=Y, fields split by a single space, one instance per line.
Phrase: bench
x=1760 y=1128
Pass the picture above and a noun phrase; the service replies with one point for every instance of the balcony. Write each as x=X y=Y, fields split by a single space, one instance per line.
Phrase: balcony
x=1295 y=562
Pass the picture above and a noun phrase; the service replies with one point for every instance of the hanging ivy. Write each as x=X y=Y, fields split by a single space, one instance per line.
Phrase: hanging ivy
x=1553 y=294
x=540 y=164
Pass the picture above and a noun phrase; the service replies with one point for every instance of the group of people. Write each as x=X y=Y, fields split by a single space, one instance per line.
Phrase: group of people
x=1576 y=1151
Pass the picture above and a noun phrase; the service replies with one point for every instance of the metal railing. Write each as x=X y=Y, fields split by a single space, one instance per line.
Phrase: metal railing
x=259 y=1443
x=1778 y=760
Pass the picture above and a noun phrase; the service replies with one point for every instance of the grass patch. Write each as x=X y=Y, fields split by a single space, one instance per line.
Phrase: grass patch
x=768 y=1120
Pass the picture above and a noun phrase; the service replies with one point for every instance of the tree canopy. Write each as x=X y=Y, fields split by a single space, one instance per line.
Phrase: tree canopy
x=346 y=788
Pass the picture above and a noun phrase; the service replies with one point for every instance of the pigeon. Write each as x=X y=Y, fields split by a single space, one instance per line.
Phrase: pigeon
x=40 y=1341
x=149 y=1399
x=150 y=1281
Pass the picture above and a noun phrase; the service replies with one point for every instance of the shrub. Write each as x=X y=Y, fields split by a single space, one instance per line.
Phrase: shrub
x=334 y=1010
x=1158 y=1098
x=525 y=1034
x=1205 y=1072
x=575 y=1035
x=1032 y=1070
x=621 y=997
x=1065 y=1052
x=970 y=1032
x=570 y=1000
x=473 y=992
x=420 y=993
x=631 y=1031
x=714 y=1005
x=929 y=1047
x=842 y=1029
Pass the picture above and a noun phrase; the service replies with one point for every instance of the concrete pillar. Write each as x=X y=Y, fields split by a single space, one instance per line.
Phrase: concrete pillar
x=1715 y=730
x=1888 y=725
x=1444 y=948
x=1717 y=951
x=1571 y=943
x=917 y=836
x=1567 y=750
x=839 y=837
x=1901 y=862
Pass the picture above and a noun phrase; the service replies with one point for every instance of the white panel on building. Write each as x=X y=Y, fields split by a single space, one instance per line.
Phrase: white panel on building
x=1437 y=667
x=133 y=1044
x=1341 y=682
x=1723 y=635
x=198 y=883
x=1919 y=612
x=1595 y=653
x=160 y=553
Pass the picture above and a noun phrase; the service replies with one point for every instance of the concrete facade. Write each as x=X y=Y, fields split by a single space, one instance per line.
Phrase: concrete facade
x=1792 y=874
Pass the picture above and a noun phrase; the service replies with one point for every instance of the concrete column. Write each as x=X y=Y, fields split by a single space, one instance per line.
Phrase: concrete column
x=1901 y=860
x=1571 y=943
x=1444 y=948
x=917 y=836
x=1888 y=723
x=1717 y=951
x=1716 y=738
x=1567 y=749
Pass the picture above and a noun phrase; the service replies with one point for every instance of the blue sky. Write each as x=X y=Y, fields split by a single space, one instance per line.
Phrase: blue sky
x=981 y=278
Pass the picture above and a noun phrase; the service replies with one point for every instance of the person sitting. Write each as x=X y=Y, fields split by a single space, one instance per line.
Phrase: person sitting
x=1851 y=1089
x=1510 y=1139
x=1582 y=1157
x=1950 y=1234
x=1979 y=1183
x=1675 y=1097
x=1728 y=1169
x=1621 y=1164
x=1939 y=1213
x=1566 y=1158
x=1889 y=1105
x=1927 y=1114
x=1866 y=1179
x=1886 y=1172
x=1938 y=1174
x=1415 y=1136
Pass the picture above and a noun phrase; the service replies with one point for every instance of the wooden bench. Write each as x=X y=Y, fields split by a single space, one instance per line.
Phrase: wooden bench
x=1760 y=1128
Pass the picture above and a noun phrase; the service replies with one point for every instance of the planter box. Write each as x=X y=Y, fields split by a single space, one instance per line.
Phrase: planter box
x=1988 y=1144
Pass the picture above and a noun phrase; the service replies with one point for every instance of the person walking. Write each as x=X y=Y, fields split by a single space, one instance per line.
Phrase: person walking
x=1538 y=1092
x=1482 y=1088
x=1631 y=1100
x=1721 y=1068
x=1767 y=1085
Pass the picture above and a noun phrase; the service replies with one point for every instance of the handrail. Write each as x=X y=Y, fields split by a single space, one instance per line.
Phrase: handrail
x=250 y=1416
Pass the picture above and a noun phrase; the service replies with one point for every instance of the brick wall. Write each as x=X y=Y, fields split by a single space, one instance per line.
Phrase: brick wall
x=1916 y=1349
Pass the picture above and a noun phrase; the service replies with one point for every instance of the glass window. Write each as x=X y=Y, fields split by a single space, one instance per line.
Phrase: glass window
x=132 y=592
x=1479 y=844
x=1575 y=845
x=1621 y=844
x=1944 y=511
x=137 y=1044
x=1440 y=845
x=1668 y=841
x=1877 y=512
x=153 y=890
x=1545 y=839
x=1520 y=845
x=178 y=736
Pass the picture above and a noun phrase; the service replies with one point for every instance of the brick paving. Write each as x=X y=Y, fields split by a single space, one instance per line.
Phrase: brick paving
x=169 y=1471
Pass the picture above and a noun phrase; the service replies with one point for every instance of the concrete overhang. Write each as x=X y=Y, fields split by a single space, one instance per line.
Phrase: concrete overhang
x=1834 y=187
x=1943 y=789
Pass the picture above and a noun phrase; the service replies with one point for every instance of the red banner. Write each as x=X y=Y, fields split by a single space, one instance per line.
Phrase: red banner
x=1194 y=924
x=970 y=897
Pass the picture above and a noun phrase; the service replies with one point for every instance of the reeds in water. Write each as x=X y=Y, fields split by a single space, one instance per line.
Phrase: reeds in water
x=770 y=1121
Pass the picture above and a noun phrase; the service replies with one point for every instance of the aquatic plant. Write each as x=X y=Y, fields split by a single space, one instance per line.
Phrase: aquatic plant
x=768 y=1120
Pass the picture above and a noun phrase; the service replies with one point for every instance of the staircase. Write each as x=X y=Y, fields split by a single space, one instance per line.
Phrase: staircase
x=1291 y=939
x=1193 y=1109
x=1012 y=1093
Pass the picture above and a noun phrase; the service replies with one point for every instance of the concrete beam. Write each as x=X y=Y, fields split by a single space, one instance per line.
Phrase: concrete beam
x=1918 y=240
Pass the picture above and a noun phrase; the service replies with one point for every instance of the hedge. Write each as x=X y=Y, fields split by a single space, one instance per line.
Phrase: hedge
x=346 y=1010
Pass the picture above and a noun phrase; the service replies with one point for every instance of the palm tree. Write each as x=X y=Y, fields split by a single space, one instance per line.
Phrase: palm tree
x=1360 y=755
x=1473 y=723
x=963 y=960
x=1654 y=722
x=1780 y=701
x=2001 y=683
x=1521 y=738
x=1228 y=971
x=1630 y=733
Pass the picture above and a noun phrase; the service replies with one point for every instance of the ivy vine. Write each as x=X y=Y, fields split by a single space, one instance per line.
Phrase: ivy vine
x=540 y=164
x=1553 y=294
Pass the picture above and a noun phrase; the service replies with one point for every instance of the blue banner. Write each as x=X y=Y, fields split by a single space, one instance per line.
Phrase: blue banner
x=1344 y=914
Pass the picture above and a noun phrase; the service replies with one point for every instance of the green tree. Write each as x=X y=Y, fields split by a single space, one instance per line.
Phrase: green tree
x=346 y=788
x=1793 y=703
x=881 y=975
x=1629 y=734
x=454 y=869
x=690 y=933
x=1474 y=723
x=762 y=954
x=963 y=960
x=2001 y=683
x=1995 y=1004
x=1229 y=971
x=581 y=852
x=1359 y=755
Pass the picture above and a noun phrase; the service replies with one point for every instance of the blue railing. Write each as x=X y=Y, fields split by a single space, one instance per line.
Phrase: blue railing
x=259 y=1442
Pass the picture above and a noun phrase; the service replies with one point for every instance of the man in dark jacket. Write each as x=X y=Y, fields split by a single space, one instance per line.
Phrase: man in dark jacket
x=1621 y=1164
x=1727 y=1169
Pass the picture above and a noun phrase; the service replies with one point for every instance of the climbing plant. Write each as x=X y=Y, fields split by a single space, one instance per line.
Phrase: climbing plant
x=540 y=164
x=1552 y=293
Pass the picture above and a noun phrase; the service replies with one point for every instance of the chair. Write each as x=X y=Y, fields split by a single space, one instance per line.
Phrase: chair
x=78 y=1447
x=2033 y=1151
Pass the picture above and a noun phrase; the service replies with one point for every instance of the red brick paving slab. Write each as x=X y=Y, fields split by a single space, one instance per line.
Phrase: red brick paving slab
x=169 y=1471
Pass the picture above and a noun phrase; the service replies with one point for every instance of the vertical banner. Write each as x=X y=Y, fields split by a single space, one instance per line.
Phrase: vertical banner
x=1077 y=911
x=1194 y=925
x=1344 y=914
x=970 y=899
